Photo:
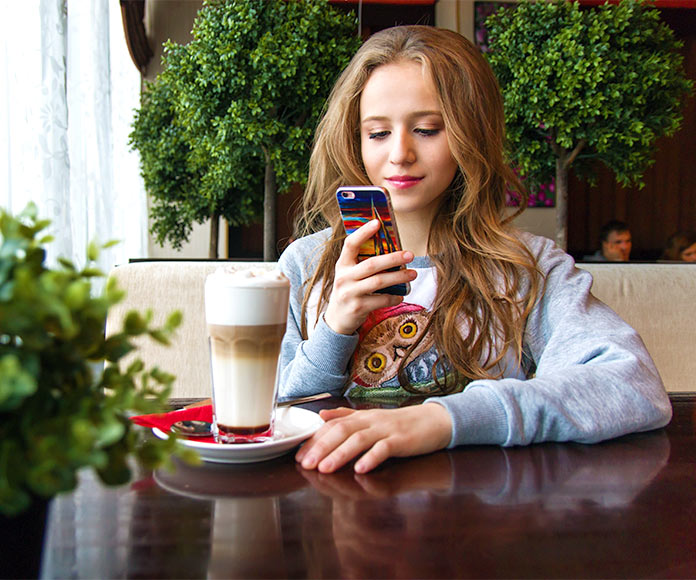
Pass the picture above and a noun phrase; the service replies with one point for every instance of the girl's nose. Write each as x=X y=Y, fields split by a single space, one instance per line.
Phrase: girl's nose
x=402 y=151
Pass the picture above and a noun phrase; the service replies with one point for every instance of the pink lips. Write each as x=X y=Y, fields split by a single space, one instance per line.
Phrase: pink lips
x=403 y=181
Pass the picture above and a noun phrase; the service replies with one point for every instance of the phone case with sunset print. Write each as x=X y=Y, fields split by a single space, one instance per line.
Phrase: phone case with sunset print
x=361 y=204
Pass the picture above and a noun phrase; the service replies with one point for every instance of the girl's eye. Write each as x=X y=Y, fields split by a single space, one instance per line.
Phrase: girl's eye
x=378 y=135
x=428 y=132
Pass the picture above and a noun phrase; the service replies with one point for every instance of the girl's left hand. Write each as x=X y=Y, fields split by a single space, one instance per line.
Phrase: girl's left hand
x=379 y=433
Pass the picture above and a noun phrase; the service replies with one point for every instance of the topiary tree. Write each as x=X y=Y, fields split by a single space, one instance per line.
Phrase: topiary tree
x=230 y=120
x=582 y=86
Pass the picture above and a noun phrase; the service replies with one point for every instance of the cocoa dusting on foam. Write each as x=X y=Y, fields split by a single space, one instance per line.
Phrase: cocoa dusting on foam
x=242 y=276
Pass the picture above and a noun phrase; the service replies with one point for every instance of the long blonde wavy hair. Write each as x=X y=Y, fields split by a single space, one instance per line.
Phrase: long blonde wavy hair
x=487 y=279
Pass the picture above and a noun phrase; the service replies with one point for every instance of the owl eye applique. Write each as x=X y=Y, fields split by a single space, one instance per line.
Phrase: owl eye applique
x=408 y=329
x=376 y=362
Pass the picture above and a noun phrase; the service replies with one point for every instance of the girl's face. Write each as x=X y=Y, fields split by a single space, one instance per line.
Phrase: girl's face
x=403 y=139
x=689 y=254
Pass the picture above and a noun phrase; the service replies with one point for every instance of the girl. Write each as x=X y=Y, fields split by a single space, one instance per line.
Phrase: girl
x=499 y=326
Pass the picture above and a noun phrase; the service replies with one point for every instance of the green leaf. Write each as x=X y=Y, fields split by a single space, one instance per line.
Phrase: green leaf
x=77 y=294
x=110 y=431
x=174 y=320
x=134 y=323
x=92 y=251
x=15 y=383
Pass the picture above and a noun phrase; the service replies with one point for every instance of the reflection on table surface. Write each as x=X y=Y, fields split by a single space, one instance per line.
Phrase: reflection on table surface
x=624 y=508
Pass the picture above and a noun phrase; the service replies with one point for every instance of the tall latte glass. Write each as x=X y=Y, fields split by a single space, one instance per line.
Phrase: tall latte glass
x=246 y=312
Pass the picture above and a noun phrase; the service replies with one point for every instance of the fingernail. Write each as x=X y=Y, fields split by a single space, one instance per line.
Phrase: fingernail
x=309 y=462
x=408 y=256
x=326 y=466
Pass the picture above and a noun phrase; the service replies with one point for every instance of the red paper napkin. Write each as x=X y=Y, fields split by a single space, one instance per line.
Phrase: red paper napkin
x=164 y=421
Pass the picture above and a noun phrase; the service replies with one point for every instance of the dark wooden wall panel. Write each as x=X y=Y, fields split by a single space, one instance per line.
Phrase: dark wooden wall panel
x=667 y=203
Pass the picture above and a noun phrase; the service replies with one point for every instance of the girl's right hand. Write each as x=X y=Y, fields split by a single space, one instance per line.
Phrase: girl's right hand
x=355 y=283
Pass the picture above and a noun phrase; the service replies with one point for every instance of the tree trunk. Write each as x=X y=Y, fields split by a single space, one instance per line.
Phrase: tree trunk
x=564 y=159
x=214 y=235
x=269 y=211
x=562 y=202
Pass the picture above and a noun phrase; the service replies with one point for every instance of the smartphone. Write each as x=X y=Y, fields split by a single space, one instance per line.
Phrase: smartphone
x=360 y=204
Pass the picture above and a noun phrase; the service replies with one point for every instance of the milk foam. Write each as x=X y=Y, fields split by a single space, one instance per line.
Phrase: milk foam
x=246 y=296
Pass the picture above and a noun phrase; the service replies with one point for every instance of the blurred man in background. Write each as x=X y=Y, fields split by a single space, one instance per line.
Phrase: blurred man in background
x=616 y=243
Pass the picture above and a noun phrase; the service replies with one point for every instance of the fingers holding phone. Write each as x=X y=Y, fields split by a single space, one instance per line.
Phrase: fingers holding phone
x=353 y=253
x=357 y=284
x=371 y=270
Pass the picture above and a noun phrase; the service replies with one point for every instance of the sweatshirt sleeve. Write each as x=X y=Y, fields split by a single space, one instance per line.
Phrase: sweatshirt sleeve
x=594 y=378
x=320 y=363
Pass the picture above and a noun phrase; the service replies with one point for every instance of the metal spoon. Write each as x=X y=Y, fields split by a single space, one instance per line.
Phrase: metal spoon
x=194 y=428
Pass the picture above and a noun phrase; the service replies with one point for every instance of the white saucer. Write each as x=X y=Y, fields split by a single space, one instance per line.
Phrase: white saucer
x=292 y=426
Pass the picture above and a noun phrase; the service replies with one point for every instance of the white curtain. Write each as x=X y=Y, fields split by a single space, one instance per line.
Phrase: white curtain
x=68 y=90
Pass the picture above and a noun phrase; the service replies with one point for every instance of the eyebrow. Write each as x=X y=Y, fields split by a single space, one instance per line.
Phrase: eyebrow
x=414 y=115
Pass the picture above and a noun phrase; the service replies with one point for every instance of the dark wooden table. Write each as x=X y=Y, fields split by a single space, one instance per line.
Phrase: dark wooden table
x=620 y=509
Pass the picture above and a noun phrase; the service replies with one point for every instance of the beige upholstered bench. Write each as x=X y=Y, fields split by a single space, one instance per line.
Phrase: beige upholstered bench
x=658 y=300
x=165 y=286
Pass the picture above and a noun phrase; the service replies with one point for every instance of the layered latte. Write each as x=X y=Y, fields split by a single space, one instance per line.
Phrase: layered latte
x=246 y=311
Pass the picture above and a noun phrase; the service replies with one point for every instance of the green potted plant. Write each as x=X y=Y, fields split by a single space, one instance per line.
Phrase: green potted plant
x=61 y=409
x=583 y=86
x=230 y=120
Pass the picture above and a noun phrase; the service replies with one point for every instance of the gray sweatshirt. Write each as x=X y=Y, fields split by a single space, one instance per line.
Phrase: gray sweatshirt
x=593 y=378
